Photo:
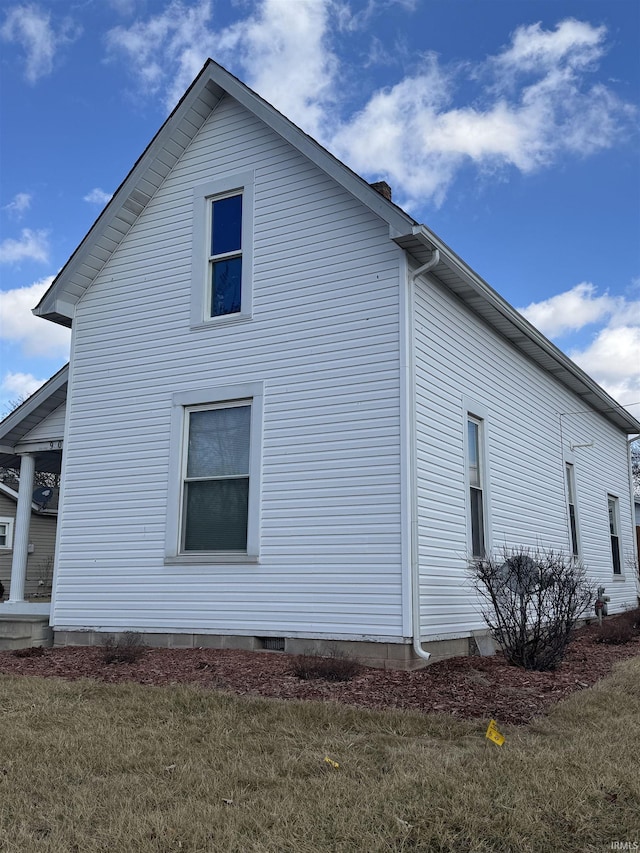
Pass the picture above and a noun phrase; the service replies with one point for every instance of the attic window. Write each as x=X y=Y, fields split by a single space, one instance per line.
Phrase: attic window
x=222 y=251
x=225 y=259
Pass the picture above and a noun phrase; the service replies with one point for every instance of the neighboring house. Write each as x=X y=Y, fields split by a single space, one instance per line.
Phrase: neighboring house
x=294 y=413
x=31 y=437
x=40 y=549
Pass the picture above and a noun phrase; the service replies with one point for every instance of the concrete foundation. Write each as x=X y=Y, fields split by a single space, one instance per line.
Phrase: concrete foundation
x=381 y=655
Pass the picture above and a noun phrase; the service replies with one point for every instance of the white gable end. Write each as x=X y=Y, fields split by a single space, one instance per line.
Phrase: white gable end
x=323 y=340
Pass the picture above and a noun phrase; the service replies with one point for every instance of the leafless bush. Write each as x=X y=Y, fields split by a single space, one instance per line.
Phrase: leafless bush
x=615 y=632
x=335 y=667
x=29 y=652
x=532 y=600
x=621 y=629
x=128 y=648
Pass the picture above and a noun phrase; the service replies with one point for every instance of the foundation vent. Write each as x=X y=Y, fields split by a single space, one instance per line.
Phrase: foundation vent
x=271 y=644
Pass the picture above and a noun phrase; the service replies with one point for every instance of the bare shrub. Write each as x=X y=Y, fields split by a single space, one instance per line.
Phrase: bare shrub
x=620 y=629
x=128 y=648
x=532 y=600
x=633 y=618
x=337 y=666
x=29 y=652
x=615 y=632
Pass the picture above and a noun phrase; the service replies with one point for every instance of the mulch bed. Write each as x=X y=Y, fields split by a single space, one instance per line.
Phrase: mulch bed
x=466 y=687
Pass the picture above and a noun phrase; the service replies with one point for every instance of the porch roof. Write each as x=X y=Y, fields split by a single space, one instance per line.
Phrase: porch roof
x=27 y=416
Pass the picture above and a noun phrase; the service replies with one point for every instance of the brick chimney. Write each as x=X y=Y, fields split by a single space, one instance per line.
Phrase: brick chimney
x=383 y=188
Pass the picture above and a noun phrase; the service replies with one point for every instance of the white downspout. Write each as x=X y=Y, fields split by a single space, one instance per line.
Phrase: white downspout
x=413 y=465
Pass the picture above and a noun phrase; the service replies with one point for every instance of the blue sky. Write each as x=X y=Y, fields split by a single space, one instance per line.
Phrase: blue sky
x=509 y=127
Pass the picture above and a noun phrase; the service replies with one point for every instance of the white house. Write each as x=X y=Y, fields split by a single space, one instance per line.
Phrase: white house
x=294 y=413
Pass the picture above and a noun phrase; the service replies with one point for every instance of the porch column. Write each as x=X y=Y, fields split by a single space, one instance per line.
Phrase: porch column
x=21 y=532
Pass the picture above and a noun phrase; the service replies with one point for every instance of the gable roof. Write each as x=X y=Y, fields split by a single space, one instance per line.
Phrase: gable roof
x=210 y=86
x=28 y=415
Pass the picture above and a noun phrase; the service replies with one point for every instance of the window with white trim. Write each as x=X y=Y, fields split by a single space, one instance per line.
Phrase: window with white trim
x=224 y=292
x=215 y=474
x=571 y=508
x=215 y=494
x=222 y=252
x=6 y=533
x=475 y=474
x=614 y=532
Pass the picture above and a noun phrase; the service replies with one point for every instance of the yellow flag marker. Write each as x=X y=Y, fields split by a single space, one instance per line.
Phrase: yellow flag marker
x=493 y=733
x=330 y=761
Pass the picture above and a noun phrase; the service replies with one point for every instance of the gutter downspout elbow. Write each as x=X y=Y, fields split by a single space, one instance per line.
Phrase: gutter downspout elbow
x=431 y=263
x=415 y=564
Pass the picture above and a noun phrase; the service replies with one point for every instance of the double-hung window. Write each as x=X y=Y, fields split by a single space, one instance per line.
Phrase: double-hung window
x=571 y=505
x=475 y=473
x=222 y=250
x=214 y=477
x=614 y=532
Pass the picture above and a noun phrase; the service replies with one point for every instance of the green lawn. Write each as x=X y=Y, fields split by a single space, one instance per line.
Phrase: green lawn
x=89 y=767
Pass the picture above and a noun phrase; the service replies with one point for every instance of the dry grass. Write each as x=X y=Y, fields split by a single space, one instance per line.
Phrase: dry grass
x=91 y=767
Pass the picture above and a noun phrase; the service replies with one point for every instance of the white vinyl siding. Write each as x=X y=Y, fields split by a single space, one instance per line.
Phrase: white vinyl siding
x=534 y=423
x=50 y=428
x=323 y=339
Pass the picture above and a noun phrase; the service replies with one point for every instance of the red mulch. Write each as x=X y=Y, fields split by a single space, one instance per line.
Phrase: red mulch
x=466 y=687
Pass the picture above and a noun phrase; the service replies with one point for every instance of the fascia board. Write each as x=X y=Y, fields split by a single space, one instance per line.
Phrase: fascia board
x=48 y=305
x=55 y=306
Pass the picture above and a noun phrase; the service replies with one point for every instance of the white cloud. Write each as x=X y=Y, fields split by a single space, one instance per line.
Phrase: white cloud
x=30 y=26
x=123 y=7
x=573 y=43
x=280 y=49
x=98 y=196
x=31 y=246
x=612 y=356
x=421 y=138
x=20 y=385
x=167 y=50
x=533 y=101
x=283 y=49
x=34 y=335
x=613 y=359
x=571 y=310
x=18 y=205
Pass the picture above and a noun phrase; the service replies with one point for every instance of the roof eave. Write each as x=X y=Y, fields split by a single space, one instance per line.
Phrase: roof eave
x=484 y=301
x=47 y=398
